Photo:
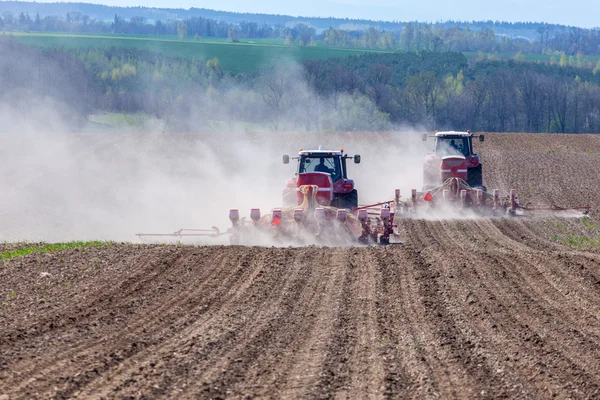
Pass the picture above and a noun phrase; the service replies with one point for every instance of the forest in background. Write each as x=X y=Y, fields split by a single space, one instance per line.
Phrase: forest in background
x=475 y=36
x=106 y=13
x=371 y=92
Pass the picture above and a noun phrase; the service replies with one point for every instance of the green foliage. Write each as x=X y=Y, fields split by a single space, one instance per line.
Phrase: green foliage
x=45 y=248
x=401 y=65
x=125 y=71
x=519 y=57
x=170 y=78
x=563 y=60
x=356 y=114
x=182 y=30
x=534 y=58
x=590 y=239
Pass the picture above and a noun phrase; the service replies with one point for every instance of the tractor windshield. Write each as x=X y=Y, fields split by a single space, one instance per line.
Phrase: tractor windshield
x=327 y=164
x=452 y=146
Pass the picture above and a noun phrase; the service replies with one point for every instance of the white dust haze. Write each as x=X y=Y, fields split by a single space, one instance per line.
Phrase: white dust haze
x=62 y=186
x=98 y=184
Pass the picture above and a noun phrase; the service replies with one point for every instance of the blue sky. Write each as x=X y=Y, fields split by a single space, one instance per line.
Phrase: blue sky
x=583 y=13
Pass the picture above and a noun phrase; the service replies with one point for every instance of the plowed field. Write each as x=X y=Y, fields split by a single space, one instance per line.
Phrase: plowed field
x=481 y=308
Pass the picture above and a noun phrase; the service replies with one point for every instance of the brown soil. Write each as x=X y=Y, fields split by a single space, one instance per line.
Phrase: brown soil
x=486 y=308
x=547 y=168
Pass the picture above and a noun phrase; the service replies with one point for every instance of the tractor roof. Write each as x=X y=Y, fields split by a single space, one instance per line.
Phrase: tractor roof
x=320 y=152
x=453 y=133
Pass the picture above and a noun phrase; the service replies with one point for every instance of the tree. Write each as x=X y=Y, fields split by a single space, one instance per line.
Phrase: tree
x=543 y=35
x=370 y=38
x=116 y=25
x=425 y=89
x=387 y=41
x=159 y=27
x=356 y=113
x=275 y=91
x=559 y=92
x=563 y=60
x=501 y=105
x=231 y=36
x=407 y=37
x=182 y=30
x=531 y=88
x=214 y=69
x=23 y=19
x=519 y=57
x=304 y=33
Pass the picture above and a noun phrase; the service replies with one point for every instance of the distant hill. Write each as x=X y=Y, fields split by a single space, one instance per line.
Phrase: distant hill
x=526 y=30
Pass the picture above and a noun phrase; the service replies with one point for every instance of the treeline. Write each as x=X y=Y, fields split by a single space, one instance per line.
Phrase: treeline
x=106 y=13
x=369 y=92
x=426 y=37
x=440 y=91
x=550 y=39
x=76 y=22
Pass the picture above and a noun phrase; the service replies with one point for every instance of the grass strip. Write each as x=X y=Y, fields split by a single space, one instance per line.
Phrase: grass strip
x=49 y=247
x=591 y=238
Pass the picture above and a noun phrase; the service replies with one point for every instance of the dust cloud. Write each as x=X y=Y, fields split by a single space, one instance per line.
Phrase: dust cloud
x=63 y=184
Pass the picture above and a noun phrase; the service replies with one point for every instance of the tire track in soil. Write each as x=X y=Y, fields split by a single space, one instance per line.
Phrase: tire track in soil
x=329 y=360
x=126 y=339
x=301 y=371
x=575 y=274
x=564 y=311
x=468 y=300
x=335 y=373
x=215 y=329
x=517 y=286
x=252 y=364
x=465 y=370
x=408 y=372
x=367 y=379
x=204 y=301
x=554 y=277
x=467 y=309
x=225 y=360
x=55 y=327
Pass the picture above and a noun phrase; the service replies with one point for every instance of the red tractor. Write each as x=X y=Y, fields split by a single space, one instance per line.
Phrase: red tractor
x=327 y=170
x=453 y=157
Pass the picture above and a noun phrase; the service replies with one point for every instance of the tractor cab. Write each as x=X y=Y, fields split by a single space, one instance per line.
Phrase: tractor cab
x=317 y=166
x=330 y=163
x=454 y=143
x=450 y=148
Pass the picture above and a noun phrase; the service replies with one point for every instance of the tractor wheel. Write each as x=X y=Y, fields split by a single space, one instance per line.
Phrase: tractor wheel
x=475 y=176
x=348 y=200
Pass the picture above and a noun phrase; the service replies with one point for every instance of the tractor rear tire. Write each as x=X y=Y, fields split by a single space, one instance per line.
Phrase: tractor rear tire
x=348 y=200
x=475 y=176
